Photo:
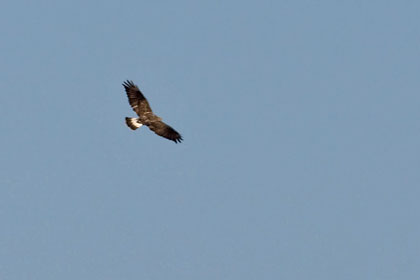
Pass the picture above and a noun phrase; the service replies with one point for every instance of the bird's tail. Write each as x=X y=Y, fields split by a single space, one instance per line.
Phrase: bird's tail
x=133 y=123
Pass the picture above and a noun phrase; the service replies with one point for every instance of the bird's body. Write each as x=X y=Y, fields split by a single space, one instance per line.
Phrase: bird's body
x=146 y=117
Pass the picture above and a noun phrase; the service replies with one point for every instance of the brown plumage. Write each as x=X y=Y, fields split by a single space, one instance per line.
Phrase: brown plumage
x=146 y=117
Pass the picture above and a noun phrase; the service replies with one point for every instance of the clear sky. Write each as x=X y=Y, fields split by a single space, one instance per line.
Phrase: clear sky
x=301 y=122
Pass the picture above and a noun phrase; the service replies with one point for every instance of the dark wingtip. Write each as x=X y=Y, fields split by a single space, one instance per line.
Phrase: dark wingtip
x=127 y=84
x=178 y=140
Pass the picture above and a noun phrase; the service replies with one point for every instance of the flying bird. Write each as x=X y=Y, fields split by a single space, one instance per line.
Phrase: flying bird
x=146 y=117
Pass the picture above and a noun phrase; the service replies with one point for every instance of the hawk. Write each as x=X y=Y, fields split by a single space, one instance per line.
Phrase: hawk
x=146 y=117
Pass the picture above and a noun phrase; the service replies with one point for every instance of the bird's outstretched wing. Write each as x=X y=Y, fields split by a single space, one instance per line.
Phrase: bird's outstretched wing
x=164 y=130
x=136 y=99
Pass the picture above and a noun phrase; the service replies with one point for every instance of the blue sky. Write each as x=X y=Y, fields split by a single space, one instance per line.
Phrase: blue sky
x=301 y=128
